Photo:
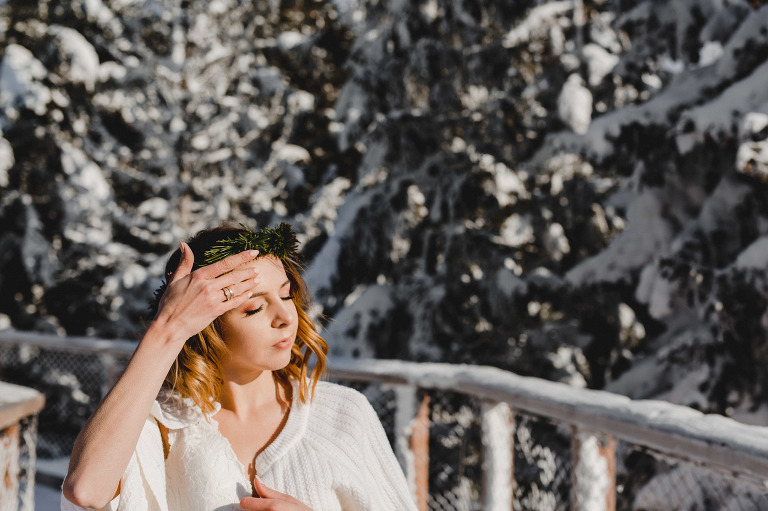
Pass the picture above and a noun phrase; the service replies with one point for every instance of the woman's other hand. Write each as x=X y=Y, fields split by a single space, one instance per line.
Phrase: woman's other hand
x=193 y=299
x=270 y=500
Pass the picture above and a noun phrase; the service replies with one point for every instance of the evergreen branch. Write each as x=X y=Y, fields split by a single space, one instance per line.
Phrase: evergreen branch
x=279 y=241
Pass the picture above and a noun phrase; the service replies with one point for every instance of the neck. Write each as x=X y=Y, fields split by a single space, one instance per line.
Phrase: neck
x=245 y=396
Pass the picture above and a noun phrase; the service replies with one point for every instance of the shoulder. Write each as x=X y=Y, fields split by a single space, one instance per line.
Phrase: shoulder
x=342 y=408
x=338 y=397
x=175 y=412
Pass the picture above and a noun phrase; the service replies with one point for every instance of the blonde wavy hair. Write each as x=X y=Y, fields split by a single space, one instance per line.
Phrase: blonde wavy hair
x=197 y=371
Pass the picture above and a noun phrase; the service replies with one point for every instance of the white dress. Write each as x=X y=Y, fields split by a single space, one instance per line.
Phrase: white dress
x=332 y=454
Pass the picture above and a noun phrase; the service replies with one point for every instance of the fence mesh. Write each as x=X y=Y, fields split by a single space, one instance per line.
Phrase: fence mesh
x=648 y=480
x=449 y=456
x=455 y=452
x=73 y=383
x=542 y=462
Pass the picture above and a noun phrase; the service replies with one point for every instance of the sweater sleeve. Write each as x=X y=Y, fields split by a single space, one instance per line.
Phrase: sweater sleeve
x=142 y=487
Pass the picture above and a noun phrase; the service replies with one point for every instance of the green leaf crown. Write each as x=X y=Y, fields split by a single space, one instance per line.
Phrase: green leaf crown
x=278 y=240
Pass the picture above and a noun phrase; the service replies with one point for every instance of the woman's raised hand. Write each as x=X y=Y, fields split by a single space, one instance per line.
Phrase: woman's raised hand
x=193 y=299
x=270 y=500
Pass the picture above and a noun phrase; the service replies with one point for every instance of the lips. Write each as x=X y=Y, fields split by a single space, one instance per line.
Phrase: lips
x=284 y=343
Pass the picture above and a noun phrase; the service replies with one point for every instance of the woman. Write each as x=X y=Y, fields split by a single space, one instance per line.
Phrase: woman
x=218 y=408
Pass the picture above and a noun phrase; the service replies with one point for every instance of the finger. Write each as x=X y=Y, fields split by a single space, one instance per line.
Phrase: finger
x=237 y=301
x=228 y=264
x=185 y=262
x=242 y=287
x=265 y=492
x=238 y=281
x=236 y=277
x=253 y=504
x=269 y=499
x=248 y=264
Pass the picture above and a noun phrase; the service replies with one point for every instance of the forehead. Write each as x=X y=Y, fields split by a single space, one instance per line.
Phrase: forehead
x=267 y=266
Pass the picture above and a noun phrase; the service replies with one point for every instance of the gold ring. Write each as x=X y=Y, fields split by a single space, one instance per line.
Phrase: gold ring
x=228 y=294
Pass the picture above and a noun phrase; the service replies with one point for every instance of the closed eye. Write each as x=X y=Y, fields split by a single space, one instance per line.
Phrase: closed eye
x=261 y=307
x=254 y=311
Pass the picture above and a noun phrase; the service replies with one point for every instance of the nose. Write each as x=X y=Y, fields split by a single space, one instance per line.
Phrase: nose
x=285 y=314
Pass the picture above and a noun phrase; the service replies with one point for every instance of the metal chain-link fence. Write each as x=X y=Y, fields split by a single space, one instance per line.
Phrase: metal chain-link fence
x=73 y=382
x=651 y=481
x=542 y=464
x=438 y=437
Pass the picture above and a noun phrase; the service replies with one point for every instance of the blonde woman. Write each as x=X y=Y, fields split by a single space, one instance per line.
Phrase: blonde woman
x=219 y=408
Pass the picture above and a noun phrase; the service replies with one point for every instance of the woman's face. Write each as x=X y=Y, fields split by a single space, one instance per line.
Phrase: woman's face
x=260 y=333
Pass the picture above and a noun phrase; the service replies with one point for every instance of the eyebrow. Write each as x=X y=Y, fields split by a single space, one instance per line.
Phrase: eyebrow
x=262 y=293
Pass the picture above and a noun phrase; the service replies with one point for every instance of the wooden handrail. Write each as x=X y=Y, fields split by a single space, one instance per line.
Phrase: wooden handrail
x=17 y=402
x=73 y=343
x=708 y=439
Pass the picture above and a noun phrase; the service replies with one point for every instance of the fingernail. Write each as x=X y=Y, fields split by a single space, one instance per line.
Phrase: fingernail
x=181 y=247
x=256 y=271
x=253 y=253
x=257 y=280
x=250 y=294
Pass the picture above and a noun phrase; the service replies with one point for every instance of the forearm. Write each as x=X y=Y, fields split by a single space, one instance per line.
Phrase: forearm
x=105 y=445
x=191 y=301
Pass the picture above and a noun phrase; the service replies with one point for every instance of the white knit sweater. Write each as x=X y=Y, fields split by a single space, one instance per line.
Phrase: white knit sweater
x=332 y=455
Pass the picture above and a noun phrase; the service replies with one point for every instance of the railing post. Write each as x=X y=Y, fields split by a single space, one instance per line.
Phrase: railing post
x=412 y=440
x=28 y=459
x=420 y=450
x=593 y=478
x=9 y=468
x=19 y=407
x=498 y=426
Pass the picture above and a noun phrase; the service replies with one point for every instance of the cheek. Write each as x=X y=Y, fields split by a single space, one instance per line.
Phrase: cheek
x=234 y=331
x=238 y=338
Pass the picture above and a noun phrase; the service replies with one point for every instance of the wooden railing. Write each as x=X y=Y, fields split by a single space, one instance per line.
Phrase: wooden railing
x=596 y=420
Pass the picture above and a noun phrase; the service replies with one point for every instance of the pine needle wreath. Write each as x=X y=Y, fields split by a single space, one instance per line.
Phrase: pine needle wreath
x=279 y=241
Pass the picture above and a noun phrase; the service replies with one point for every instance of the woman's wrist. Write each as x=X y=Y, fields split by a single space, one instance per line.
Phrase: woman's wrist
x=160 y=333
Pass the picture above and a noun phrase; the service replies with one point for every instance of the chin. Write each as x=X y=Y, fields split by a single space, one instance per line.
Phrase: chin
x=282 y=362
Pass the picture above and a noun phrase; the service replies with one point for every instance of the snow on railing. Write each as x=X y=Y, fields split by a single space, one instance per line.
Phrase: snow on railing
x=19 y=407
x=596 y=419
x=472 y=437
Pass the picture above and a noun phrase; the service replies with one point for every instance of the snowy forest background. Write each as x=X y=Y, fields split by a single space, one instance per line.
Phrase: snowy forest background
x=574 y=190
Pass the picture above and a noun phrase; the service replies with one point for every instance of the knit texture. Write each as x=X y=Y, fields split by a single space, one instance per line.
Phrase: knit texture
x=332 y=455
